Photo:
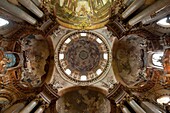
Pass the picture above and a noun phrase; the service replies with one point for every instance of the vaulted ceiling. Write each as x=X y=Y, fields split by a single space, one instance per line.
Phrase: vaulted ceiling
x=84 y=56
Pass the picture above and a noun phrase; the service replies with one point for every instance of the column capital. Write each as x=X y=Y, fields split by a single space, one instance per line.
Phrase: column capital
x=48 y=94
x=129 y=98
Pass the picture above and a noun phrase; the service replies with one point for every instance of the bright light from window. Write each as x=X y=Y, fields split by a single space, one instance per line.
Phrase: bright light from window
x=99 y=71
x=68 y=41
x=164 y=100
x=3 y=22
x=68 y=71
x=83 y=34
x=163 y=22
x=61 y=56
x=105 y=56
x=98 y=40
x=156 y=59
x=83 y=78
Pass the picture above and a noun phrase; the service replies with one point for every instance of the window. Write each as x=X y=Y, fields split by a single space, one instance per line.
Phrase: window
x=164 y=100
x=157 y=59
x=164 y=22
x=3 y=22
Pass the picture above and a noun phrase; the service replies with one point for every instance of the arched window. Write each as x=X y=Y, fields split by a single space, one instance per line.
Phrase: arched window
x=157 y=59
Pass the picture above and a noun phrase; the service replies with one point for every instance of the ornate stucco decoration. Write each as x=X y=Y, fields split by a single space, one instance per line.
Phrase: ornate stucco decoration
x=83 y=57
x=80 y=14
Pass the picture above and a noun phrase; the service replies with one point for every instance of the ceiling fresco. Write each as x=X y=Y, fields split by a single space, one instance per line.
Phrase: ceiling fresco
x=88 y=101
x=81 y=14
x=84 y=56
x=35 y=53
x=130 y=59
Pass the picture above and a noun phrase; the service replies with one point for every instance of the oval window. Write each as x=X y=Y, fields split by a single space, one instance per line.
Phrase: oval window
x=164 y=22
x=3 y=22
x=157 y=59
x=164 y=100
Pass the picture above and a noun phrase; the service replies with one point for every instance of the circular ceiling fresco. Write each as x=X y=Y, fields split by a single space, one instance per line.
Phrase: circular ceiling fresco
x=83 y=57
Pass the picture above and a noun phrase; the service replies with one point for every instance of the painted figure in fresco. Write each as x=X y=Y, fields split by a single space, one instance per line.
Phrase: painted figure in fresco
x=130 y=57
x=3 y=62
x=36 y=52
x=7 y=60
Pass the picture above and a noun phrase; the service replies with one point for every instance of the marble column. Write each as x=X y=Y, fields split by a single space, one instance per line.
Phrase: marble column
x=136 y=107
x=151 y=108
x=161 y=14
x=15 y=108
x=125 y=109
x=29 y=107
x=17 y=11
x=132 y=8
x=37 y=2
x=40 y=109
x=32 y=7
x=159 y=4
